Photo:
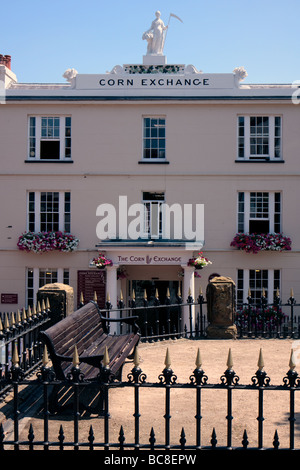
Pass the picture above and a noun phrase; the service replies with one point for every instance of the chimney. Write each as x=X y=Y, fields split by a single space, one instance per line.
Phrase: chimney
x=5 y=60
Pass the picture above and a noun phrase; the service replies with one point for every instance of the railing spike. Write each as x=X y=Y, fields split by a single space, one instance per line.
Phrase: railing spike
x=121 y=438
x=15 y=357
x=6 y=322
x=182 y=439
x=18 y=316
x=260 y=362
x=45 y=358
x=75 y=357
x=106 y=357
x=95 y=296
x=245 y=441
x=12 y=319
x=24 y=316
x=152 y=438
x=292 y=362
x=229 y=359
x=136 y=359
x=167 y=359
x=214 y=438
x=276 y=440
x=91 y=437
x=198 y=359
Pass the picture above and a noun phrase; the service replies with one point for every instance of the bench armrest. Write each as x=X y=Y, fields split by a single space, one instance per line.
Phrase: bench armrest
x=128 y=320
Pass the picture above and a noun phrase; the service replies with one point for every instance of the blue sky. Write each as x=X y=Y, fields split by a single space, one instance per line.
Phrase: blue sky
x=46 y=37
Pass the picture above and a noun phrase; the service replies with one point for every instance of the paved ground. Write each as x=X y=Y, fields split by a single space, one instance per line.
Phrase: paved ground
x=214 y=353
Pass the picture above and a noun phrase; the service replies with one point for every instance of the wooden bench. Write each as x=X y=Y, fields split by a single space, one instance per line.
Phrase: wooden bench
x=88 y=329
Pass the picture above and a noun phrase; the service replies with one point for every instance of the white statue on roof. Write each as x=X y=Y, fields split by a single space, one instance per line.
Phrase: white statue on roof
x=155 y=35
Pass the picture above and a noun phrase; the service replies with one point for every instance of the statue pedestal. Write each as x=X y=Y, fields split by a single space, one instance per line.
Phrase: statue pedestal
x=154 y=59
x=61 y=299
x=220 y=294
x=221 y=332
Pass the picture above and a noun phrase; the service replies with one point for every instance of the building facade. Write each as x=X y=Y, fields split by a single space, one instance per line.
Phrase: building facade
x=100 y=155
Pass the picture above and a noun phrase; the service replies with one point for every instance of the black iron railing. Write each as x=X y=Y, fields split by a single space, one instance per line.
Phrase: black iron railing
x=159 y=321
x=198 y=384
x=22 y=328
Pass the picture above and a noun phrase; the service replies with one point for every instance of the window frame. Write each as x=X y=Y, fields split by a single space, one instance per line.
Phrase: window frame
x=34 y=223
x=244 y=282
x=244 y=217
x=35 y=138
x=274 y=137
x=157 y=159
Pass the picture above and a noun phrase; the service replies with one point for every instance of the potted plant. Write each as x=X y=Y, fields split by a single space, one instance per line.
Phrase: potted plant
x=200 y=262
x=101 y=261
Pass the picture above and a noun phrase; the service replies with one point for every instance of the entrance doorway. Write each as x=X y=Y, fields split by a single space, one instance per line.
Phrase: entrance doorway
x=139 y=288
x=160 y=320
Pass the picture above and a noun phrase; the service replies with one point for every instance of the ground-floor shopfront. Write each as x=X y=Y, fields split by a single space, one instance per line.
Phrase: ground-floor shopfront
x=139 y=270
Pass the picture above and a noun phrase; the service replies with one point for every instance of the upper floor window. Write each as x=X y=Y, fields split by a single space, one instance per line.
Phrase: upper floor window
x=259 y=138
x=49 y=138
x=259 y=212
x=154 y=138
x=49 y=211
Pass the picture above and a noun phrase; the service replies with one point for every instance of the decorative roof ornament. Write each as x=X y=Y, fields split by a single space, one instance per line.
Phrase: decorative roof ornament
x=156 y=35
x=70 y=74
x=240 y=73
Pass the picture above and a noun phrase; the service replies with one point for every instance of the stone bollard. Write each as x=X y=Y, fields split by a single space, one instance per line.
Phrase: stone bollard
x=220 y=295
x=61 y=299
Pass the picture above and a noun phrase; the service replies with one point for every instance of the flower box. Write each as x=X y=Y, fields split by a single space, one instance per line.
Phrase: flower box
x=255 y=242
x=43 y=242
